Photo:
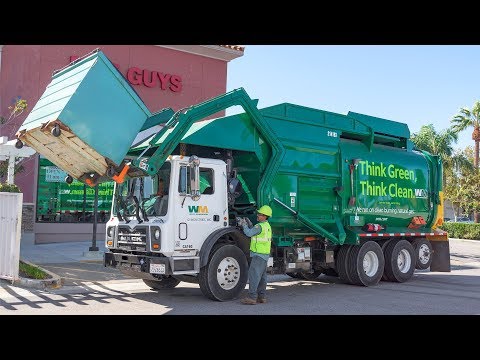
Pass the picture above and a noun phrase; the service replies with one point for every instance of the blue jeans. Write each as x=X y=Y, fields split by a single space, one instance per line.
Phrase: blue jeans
x=257 y=277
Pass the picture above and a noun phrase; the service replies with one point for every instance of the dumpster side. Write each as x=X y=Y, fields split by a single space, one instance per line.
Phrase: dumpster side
x=71 y=123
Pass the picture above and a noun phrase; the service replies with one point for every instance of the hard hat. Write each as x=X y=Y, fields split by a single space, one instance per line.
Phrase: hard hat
x=265 y=210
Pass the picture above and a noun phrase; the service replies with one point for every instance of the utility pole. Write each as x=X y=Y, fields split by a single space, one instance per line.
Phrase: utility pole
x=94 y=246
x=84 y=216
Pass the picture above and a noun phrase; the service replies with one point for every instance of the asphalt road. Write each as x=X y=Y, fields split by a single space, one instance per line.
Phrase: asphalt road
x=92 y=289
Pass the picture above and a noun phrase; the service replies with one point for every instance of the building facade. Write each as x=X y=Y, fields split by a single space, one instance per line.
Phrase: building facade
x=163 y=76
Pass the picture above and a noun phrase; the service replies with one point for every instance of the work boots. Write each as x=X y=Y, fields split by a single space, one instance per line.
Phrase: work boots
x=248 y=301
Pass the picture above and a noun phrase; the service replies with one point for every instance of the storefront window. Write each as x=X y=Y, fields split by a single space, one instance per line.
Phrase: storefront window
x=58 y=201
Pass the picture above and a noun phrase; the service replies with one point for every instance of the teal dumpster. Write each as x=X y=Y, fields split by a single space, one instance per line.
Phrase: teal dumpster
x=86 y=120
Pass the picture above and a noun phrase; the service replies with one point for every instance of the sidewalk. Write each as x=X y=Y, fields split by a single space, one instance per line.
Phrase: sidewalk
x=55 y=253
x=72 y=261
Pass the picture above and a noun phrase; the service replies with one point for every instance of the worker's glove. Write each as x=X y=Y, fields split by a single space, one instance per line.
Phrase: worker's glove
x=241 y=221
x=244 y=221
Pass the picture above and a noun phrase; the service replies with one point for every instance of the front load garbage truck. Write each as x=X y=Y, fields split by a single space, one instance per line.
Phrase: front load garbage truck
x=350 y=195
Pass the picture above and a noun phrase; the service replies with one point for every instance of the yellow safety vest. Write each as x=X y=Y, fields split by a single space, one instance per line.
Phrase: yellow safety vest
x=262 y=242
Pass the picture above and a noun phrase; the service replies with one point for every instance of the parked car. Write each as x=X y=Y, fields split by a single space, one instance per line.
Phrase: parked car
x=464 y=220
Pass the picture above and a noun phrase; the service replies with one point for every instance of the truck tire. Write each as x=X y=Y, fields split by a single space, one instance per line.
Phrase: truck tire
x=225 y=275
x=365 y=264
x=399 y=261
x=423 y=251
x=167 y=282
x=342 y=263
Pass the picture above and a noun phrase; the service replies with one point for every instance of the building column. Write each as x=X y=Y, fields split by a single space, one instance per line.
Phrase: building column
x=11 y=169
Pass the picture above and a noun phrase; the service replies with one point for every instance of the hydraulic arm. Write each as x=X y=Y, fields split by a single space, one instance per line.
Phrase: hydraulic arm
x=183 y=119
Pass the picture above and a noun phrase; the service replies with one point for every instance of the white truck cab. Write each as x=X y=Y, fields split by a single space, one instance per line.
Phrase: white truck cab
x=160 y=225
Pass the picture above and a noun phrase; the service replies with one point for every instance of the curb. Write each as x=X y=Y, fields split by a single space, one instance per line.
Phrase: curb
x=55 y=282
x=476 y=240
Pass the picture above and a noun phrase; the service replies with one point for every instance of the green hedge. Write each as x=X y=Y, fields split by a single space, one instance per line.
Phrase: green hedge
x=4 y=187
x=462 y=230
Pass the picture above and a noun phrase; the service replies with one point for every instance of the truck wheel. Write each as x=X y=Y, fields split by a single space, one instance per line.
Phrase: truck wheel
x=423 y=251
x=365 y=264
x=342 y=263
x=167 y=282
x=311 y=276
x=225 y=275
x=399 y=261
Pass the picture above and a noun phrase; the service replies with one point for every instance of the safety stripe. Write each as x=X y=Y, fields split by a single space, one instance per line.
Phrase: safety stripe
x=401 y=234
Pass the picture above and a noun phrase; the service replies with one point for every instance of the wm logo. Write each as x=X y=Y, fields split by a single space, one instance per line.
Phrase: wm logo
x=198 y=209
x=421 y=193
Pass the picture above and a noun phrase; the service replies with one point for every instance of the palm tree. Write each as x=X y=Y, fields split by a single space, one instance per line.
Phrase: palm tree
x=469 y=118
x=454 y=162
x=428 y=139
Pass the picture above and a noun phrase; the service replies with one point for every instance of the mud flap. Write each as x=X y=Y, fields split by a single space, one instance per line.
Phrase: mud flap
x=441 y=256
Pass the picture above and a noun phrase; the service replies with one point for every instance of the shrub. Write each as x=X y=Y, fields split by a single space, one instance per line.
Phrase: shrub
x=4 y=187
x=462 y=230
x=31 y=271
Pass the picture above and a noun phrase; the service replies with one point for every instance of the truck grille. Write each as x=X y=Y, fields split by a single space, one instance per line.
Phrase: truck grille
x=132 y=239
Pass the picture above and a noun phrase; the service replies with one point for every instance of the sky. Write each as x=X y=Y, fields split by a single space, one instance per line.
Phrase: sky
x=413 y=84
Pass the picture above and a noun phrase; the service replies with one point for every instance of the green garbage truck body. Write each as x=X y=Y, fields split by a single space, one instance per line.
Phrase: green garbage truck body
x=350 y=196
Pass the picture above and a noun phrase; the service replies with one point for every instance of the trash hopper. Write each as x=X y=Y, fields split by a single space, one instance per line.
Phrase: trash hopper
x=86 y=120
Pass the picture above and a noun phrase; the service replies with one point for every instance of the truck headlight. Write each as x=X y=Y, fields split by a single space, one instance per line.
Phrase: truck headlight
x=110 y=236
x=155 y=238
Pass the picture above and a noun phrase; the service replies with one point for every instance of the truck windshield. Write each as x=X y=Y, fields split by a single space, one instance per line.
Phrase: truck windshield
x=146 y=195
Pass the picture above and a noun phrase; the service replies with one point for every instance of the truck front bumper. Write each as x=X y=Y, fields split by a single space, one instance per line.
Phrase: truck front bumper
x=139 y=266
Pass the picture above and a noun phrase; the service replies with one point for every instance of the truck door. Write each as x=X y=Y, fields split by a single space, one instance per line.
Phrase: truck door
x=196 y=219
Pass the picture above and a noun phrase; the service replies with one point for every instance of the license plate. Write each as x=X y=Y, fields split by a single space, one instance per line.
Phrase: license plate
x=157 y=268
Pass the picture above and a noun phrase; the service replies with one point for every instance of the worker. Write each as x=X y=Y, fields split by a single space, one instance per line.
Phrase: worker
x=260 y=244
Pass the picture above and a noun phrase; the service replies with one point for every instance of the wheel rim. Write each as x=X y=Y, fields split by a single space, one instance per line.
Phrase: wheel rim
x=370 y=263
x=404 y=261
x=228 y=273
x=424 y=254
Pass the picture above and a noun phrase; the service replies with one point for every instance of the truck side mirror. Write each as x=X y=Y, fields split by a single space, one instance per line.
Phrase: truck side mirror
x=235 y=189
x=194 y=163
